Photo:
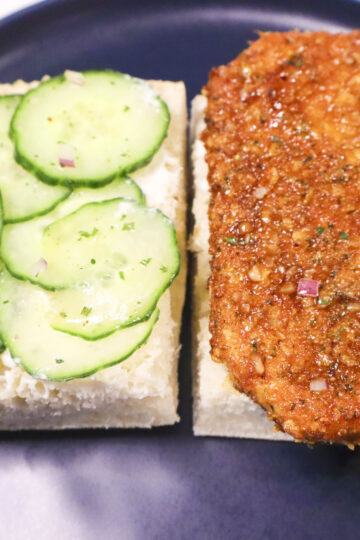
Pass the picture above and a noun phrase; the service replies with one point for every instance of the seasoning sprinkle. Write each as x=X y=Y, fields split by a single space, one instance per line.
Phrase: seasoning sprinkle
x=145 y=262
x=231 y=240
x=86 y=311
x=128 y=226
x=86 y=234
x=296 y=60
x=339 y=179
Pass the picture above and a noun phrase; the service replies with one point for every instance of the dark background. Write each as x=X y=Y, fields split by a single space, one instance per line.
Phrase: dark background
x=165 y=483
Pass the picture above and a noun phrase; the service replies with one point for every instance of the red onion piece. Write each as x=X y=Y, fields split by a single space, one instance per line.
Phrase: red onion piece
x=308 y=287
x=318 y=385
x=74 y=77
x=40 y=266
x=67 y=155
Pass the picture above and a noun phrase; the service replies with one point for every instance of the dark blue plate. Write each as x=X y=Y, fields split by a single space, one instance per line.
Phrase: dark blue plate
x=165 y=484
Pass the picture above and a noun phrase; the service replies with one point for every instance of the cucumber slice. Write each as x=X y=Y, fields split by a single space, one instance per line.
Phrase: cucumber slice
x=24 y=196
x=21 y=243
x=113 y=124
x=48 y=354
x=116 y=276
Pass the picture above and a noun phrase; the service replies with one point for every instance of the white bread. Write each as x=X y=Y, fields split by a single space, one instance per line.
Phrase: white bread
x=141 y=391
x=219 y=409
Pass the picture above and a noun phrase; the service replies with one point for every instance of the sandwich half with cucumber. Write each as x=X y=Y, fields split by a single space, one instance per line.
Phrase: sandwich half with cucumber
x=92 y=271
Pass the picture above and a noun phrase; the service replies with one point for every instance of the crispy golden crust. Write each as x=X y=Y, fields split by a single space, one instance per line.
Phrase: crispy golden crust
x=283 y=149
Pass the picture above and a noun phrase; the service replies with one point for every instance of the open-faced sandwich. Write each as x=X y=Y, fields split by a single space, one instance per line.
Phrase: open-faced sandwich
x=89 y=253
x=276 y=163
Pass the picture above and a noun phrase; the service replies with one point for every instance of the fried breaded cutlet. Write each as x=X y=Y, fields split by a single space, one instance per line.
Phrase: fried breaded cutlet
x=283 y=148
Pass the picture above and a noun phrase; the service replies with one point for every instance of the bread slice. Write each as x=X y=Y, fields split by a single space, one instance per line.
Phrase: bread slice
x=219 y=409
x=142 y=391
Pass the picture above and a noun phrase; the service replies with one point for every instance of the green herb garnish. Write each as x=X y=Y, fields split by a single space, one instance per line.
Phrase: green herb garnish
x=341 y=329
x=320 y=230
x=343 y=235
x=145 y=262
x=231 y=240
x=296 y=60
x=339 y=179
x=325 y=302
x=121 y=274
x=86 y=311
x=59 y=361
x=86 y=234
x=128 y=226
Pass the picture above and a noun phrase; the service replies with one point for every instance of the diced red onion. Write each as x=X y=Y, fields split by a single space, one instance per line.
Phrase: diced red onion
x=74 y=77
x=40 y=266
x=308 y=287
x=318 y=385
x=67 y=155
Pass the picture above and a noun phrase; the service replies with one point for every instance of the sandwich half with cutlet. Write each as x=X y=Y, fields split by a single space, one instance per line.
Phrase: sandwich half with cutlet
x=275 y=153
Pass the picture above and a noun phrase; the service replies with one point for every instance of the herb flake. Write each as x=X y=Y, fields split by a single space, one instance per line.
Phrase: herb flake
x=145 y=262
x=86 y=311
x=128 y=226
x=276 y=139
x=339 y=179
x=231 y=240
x=86 y=234
x=296 y=60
